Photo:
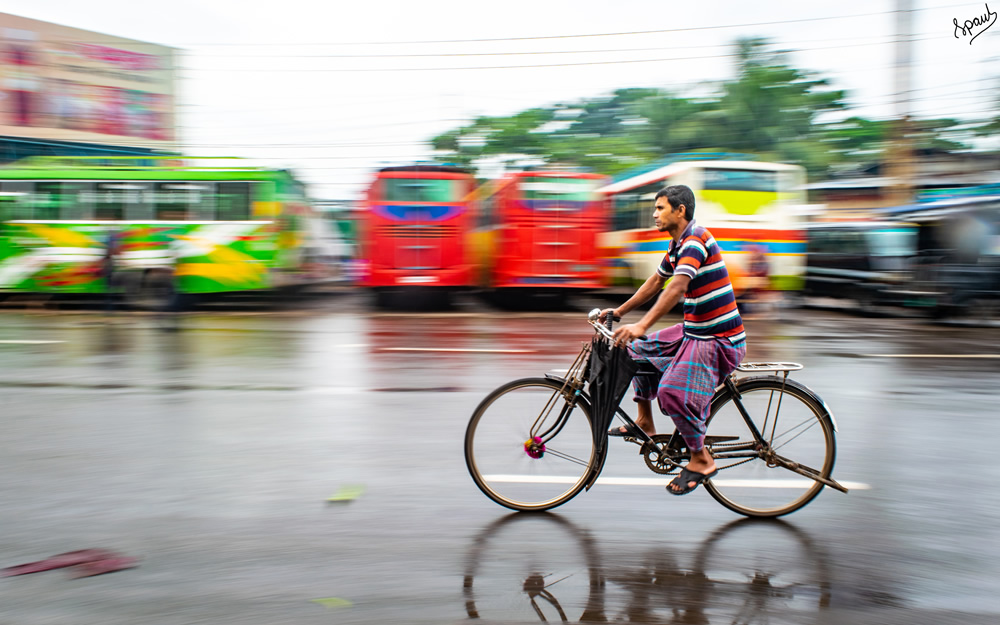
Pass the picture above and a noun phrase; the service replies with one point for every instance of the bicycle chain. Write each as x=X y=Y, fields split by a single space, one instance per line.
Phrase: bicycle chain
x=729 y=466
x=671 y=467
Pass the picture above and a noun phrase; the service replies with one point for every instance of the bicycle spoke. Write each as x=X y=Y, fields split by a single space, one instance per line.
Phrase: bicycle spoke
x=811 y=424
x=568 y=457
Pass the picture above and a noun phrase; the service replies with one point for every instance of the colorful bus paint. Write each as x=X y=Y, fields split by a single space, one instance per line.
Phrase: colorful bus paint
x=208 y=229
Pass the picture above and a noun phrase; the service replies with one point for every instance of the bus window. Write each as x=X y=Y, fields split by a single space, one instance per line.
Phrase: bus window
x=232 y=201
x=488 y=211
x=717 y=179
x=566 y=189
x=893 y=242
x=627 y=210
x=47 y=200
x=119 y=200
x=74 y=199
x=421 y=190
x=177 y=201
x=15 y=200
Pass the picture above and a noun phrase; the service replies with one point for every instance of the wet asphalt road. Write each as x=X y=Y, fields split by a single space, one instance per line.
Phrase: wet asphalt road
x=209 y=453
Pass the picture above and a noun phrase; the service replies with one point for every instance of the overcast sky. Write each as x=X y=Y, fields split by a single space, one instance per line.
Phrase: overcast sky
x=336 y=89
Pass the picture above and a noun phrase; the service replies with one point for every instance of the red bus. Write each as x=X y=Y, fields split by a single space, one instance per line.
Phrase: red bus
x=538 y=232
x=415 y=229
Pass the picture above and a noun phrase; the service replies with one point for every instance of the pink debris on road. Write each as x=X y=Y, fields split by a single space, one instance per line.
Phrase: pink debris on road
x=87 y=562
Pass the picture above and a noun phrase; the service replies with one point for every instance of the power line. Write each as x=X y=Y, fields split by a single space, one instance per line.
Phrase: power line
x=581 y=36
x=492 y=67
x=269 y=55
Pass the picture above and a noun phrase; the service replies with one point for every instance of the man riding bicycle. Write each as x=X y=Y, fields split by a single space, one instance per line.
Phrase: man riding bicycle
x=695 y=356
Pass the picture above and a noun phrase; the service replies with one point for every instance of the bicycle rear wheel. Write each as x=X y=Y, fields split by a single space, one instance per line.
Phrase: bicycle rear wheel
x=768 y=480
x=512 y=471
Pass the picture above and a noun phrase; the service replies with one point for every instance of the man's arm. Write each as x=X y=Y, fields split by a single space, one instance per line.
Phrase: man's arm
x=643 y=294
x=664 y=303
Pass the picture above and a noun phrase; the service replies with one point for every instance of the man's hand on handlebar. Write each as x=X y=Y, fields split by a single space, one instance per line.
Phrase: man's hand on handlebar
x=609 y=311
x=628 y=333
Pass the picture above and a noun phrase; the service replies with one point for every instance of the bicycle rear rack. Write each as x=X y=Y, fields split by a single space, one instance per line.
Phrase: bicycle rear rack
x=749 y=367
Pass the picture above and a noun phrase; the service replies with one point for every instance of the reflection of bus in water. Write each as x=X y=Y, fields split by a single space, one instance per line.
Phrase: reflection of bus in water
x=414 y=230
x=745 y=204
x=538 y=230
x=213 y=229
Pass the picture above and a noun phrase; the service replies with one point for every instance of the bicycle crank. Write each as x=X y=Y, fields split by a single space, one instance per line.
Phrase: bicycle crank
x=660 y=457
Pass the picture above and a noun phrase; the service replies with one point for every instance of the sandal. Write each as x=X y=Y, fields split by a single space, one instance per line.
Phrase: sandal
x=689 y=476
x=630 y=432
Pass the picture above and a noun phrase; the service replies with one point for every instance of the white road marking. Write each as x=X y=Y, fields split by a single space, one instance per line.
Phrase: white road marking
x=26 y=342
x=456 y=349
x=337 y=390
x=663 y=481
x=932 y=355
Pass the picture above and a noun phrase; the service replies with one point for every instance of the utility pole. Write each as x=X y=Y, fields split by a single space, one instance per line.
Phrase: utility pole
x=901 y=162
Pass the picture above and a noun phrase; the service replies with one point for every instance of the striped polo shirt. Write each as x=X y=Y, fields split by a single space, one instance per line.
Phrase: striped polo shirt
x=709 y=303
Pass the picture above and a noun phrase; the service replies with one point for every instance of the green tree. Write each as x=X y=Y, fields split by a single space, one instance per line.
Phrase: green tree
x=769 y=108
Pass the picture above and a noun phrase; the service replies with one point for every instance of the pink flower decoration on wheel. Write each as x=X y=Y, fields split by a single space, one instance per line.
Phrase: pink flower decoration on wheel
x=534 y=447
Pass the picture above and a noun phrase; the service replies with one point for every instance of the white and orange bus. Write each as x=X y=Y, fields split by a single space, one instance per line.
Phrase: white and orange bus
x=747 y=205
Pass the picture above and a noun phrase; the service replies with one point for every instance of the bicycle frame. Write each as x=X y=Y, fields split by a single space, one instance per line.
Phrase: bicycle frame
x=759 y=447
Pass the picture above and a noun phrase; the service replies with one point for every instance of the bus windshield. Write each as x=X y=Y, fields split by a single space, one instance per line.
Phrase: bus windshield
x=564 y=189
x=893 y=242
x=719 y=179
x=422 y=190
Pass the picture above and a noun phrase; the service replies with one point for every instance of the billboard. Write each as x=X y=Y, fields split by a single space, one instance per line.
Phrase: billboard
x=67 y=84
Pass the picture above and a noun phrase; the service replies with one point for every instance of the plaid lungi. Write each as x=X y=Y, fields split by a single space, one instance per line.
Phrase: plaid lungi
x=691 y=370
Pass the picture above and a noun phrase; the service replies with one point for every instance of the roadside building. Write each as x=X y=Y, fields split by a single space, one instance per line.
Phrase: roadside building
x=70 y=92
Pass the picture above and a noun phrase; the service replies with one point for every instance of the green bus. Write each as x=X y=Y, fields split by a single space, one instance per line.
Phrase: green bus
x=203 y=228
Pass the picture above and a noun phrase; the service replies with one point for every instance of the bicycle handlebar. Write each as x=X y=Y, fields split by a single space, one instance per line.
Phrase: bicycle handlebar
x=593 y=318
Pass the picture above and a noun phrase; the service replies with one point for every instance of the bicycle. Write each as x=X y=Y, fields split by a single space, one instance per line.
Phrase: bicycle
x=530 y=444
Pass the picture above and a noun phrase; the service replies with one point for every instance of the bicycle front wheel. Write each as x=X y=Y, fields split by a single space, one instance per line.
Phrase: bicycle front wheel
x=768 y=477
x=529 y=446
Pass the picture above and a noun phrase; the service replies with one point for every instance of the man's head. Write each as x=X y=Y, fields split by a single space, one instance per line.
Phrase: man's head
x=673 y=209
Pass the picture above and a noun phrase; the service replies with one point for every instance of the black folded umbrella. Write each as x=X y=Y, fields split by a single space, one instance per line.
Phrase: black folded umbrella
x=611 y=370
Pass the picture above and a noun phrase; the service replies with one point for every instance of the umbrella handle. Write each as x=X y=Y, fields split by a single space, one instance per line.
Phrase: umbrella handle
x=605 y=329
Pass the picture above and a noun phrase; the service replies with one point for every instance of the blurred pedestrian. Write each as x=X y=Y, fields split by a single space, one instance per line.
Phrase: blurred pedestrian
x=173 y=297
x=758 y=279
x=109 y=268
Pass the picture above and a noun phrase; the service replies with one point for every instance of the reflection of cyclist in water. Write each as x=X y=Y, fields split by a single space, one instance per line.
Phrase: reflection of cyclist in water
x=693 y=357
x=746 y=571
